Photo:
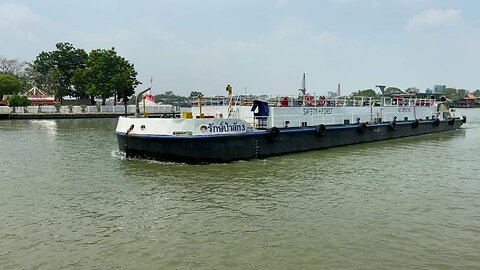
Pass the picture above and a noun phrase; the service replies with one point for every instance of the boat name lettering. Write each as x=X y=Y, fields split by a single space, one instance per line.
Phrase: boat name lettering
x=404 y=109
x=316 y=111
x=189 y=133
x=226 y=127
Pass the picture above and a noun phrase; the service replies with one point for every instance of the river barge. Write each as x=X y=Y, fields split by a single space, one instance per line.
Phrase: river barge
x=243 y=130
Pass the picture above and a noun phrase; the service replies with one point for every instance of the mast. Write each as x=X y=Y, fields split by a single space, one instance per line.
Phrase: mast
x=303 y=88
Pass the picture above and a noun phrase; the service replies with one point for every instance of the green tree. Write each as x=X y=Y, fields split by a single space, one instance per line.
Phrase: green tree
x=109 y=74
x=13 y=67
x=9 y=85
x=454 y=94
x=80 y=81
x=450 y=91
x=18 y=101
x=365 y=93
x=393 y=90
x=124 y=81
x=412 y=90
x=170 y=98
x=195 y=94
x=58 y=67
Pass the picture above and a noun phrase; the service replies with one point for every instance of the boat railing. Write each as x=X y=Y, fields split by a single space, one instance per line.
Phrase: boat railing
x=341 y=119
x=317 y=101
x=313 y=120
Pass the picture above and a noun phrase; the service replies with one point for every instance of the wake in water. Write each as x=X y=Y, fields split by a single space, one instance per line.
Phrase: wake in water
x=118 y=154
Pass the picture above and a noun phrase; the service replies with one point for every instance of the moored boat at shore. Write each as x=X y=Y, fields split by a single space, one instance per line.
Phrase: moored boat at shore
x=235 y=129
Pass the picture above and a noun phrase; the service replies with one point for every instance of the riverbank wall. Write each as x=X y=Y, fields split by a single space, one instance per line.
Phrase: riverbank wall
x=75 y=112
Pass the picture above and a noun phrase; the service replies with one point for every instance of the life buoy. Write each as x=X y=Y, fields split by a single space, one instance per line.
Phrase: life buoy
x=321 y=102
x=451 y=121
x=436 y=122
x=362 y=128
x=321 y=130
x=464 y=119
x=273 y=134
x=309 y=100
x=393 y=125
x=415 y=123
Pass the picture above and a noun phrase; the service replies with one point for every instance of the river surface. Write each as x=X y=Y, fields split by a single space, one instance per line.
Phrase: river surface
x=70 y=200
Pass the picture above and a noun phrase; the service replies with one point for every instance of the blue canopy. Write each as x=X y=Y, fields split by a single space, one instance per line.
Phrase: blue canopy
x=262 y=108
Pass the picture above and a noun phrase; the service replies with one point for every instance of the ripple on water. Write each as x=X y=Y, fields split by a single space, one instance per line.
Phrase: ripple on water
x=81 y=204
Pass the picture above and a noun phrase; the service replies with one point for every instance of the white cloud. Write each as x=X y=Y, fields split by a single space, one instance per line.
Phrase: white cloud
x=17 y=14
x=414 y=3
x=281 y=3
x=16 y=21
x=342 y=2
x=236 y=46
x=324 y=38
x=292 y=28
x=434 y=18
x=104 y=40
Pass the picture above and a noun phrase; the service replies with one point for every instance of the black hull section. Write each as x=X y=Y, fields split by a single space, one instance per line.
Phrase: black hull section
x=226 y=148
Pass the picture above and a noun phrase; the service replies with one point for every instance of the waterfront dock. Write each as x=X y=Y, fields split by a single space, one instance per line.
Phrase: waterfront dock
x=78 y=115
x=78 y=112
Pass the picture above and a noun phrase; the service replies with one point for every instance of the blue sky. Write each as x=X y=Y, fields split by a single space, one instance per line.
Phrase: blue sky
x=263 y=46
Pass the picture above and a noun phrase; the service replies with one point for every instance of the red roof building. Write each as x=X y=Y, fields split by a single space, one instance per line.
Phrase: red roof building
x=470 y=101
x=39 y=97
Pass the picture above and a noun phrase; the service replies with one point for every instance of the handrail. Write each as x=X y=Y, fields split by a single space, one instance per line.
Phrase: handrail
x=322 y=101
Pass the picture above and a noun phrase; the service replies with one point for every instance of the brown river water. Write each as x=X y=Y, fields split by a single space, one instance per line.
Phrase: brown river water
x=70 y=200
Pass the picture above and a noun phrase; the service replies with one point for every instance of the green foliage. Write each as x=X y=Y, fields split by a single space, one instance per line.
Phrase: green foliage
x=9 y=85
x=170 y=98
x=80 y=82
x=365 y=93
x=393 y=90
x=108 y=74
x=18 y=101
x=412 y=90
x=195 y=94
x=58 y=67
x=58 y=106
x=455 y=94
x=12 y=67
x=71 y=71
x=450 y=91
x=16 y=68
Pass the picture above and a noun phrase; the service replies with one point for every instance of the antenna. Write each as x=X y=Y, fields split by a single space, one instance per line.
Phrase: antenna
x=382 y=88
x=304 y=87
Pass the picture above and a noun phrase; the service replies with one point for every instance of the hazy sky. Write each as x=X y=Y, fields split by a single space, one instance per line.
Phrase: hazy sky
x=262 y=45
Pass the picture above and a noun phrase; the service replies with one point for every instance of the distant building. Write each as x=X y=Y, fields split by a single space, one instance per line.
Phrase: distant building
x=439 y=88
x=470 y=101
x=429 y=91
x=39 y=97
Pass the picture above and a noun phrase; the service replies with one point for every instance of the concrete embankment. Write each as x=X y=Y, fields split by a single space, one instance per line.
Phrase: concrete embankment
x=75 y=115
x=71 y=112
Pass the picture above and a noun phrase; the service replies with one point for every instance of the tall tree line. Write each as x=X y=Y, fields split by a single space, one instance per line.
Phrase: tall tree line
x=70 y=71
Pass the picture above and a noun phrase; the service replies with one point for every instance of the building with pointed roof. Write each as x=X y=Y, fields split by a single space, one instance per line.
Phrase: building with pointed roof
x=39 y=97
